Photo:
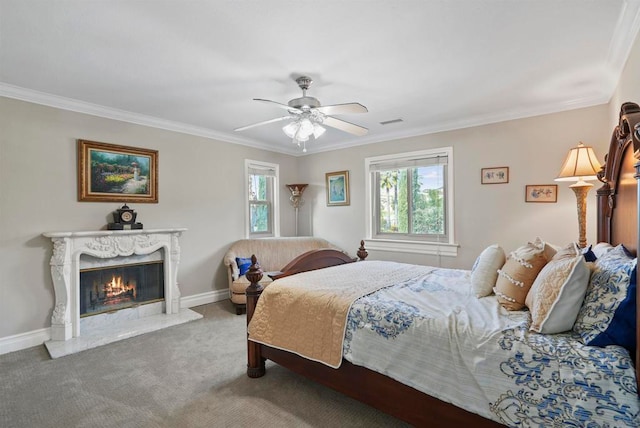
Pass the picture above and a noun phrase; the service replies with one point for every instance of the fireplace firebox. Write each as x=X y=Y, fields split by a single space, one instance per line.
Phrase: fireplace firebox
x=106 y=289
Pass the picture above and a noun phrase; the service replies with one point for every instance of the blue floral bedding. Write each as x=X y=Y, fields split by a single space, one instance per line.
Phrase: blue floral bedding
x=433 y=334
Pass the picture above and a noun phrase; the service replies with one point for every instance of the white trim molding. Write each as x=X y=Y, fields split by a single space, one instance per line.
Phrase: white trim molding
x=449 y=248
x=275 y=203
x=415 y=247
x=204 y=298
x=21 y=341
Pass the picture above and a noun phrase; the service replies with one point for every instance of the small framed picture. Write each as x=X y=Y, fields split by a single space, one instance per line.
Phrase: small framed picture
x=495 y=175
x=541 y=193
x=337 y=188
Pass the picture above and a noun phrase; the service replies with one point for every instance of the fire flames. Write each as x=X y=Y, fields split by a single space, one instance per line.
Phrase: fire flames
x=117 y=288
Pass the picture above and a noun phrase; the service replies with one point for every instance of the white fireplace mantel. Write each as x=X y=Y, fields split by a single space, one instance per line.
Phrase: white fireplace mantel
x=65 y=268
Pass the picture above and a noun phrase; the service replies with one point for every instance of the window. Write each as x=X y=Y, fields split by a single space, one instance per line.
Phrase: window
x=410 y=202
x=262 y=208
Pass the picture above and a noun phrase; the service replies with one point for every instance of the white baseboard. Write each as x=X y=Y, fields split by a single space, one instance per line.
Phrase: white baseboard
x=26 y=340
x=204 y=298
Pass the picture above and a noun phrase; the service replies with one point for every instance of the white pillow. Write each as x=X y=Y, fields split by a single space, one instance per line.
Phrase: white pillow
x=557 y=293
x=484 y=273
x=601 y=248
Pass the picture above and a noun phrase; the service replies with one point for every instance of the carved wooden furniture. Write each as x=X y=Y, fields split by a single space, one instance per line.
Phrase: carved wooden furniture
x=617 y=223
x=618 y=197
x=312 y=260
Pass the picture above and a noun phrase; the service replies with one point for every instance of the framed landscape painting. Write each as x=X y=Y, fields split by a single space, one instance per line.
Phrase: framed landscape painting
x=337 y=188
x=112 y=173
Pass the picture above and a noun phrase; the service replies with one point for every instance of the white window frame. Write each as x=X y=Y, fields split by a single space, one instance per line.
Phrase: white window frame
x=275 y=203
x=419 y=246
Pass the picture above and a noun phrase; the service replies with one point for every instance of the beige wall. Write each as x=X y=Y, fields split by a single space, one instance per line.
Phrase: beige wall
x=201 y=187
x=533 y=149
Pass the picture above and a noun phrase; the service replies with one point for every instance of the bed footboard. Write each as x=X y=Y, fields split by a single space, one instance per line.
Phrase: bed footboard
x=311 y=260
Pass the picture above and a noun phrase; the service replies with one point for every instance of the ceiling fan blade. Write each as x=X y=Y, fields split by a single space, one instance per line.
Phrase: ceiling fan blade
x=278 y=119
x=277 y=104
x=345 y=126
x=348 y=108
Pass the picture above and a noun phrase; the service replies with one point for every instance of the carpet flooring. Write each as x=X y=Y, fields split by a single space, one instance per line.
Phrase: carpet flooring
x=191 y=375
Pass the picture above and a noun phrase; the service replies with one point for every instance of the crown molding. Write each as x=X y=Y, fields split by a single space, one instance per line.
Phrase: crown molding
x=470 y=122
x=627 y=29
x=70 y=104
x=37 y=97
x=625 y=35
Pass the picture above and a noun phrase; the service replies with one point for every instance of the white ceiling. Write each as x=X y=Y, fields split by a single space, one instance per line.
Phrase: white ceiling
x=195 y=66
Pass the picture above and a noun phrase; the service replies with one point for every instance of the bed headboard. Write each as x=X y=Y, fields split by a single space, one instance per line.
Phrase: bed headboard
x=618 y=196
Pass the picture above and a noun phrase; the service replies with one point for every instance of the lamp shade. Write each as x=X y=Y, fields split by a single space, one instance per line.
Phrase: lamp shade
x=291 y=129
x=318 y=131
x=296 y=189
x=581 y=164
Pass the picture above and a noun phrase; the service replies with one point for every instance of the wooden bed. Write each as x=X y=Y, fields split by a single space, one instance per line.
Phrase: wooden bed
x=617 y=224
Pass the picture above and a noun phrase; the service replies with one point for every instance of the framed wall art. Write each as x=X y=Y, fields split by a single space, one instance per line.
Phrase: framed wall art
x=112 y=173
x=337 y=188
x=495 y=175
x=541 y=193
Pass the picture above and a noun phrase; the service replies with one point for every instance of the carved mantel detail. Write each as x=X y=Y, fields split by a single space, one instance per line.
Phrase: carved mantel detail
x=65 y=267
x=113 y=246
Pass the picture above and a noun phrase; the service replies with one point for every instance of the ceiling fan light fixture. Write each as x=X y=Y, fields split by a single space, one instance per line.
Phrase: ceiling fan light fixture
x=291 y=129
x=300 y=138
x=318 y=131
x=306 y=128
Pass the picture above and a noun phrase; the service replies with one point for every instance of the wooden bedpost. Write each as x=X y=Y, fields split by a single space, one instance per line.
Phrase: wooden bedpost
x=362 y=252
x=255 y=362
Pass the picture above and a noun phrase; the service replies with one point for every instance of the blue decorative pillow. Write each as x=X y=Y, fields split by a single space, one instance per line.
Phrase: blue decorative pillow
x=244 y=263
x=608 y=314
x=589 y=255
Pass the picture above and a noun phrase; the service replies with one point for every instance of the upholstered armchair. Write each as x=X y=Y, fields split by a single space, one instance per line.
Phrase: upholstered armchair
x=272 y=254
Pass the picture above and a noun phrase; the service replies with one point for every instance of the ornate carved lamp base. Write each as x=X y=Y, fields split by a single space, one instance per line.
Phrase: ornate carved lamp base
x=581 y=188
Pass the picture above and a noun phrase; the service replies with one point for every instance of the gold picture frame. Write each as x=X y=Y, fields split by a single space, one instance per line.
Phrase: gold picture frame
x=545 y=193
x=495 y=175
x=113 y=173
x=337 y=188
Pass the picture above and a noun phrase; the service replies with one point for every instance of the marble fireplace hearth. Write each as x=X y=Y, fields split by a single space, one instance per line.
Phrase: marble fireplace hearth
x=73 y=251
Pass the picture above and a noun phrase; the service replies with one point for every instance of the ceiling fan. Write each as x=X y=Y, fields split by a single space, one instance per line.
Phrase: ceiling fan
x=308 y=116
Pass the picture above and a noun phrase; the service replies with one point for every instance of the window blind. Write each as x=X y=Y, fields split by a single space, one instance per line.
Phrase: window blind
x=386 y=165
x=257 y=170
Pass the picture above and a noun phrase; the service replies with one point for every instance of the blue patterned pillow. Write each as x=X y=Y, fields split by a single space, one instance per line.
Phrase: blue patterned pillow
x=244 y=263
x=608 y=314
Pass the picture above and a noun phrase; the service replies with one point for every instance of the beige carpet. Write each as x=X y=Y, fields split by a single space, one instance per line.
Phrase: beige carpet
x=191 y=375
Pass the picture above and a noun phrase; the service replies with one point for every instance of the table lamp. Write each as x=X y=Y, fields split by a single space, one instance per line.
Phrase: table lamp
x=580 y=165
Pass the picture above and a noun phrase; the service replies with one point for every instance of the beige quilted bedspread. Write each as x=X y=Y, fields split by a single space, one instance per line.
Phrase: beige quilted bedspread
x=307 y=313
